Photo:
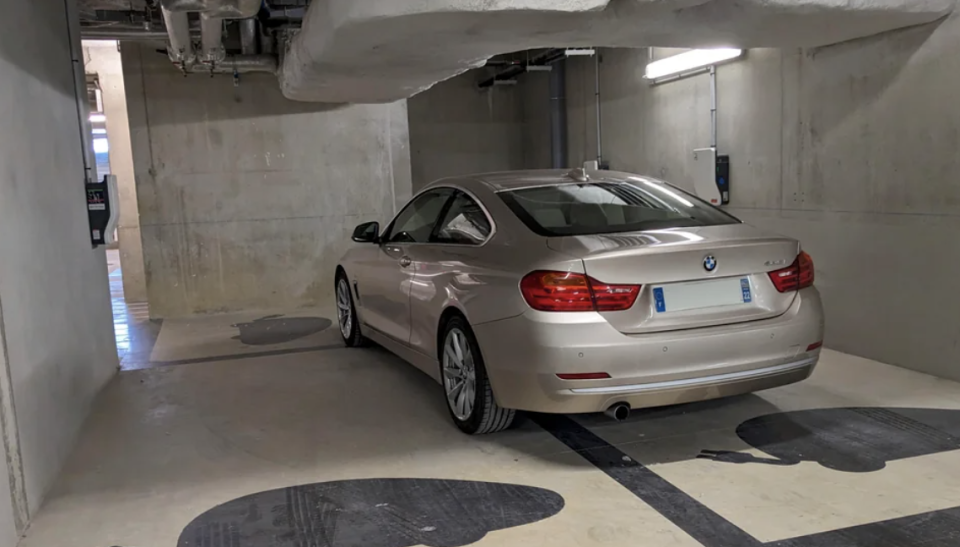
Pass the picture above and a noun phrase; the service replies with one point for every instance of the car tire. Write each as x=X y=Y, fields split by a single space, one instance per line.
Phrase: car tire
x=484 y=415
x=350 y=329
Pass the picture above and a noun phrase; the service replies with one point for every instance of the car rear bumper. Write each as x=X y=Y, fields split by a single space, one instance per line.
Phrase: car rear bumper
x=524 y=355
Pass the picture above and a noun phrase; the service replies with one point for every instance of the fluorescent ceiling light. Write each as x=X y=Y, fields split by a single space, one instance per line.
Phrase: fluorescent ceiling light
x=100 y=43
x=98 y=118
x=690 y=60
x=99 y=131
x=101 y=146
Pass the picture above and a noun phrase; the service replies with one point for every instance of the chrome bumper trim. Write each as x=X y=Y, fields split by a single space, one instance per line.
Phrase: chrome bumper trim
x=702 y=381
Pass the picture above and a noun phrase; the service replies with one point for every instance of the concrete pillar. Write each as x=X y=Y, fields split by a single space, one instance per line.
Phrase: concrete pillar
x=103 y=59
x=57 y=346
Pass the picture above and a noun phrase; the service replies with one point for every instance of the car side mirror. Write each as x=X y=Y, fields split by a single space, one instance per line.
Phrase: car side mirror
x=368 y=232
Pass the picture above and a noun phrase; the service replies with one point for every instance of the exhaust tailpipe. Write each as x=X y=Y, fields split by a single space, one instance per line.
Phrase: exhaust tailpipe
x=619 y=411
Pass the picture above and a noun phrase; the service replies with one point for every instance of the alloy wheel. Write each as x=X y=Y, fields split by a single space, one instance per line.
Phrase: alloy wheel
x=344 y=308
x=459 y=374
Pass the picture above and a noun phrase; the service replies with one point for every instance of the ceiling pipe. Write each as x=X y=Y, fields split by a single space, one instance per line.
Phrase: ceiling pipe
x=178 y=33
x=222 y=9
x=239 y=64
x=546 y=58
x=289 y=14
x=248 y=36
x=122 y=34
x=502 y=62
x=211 y=40
x=212 y=13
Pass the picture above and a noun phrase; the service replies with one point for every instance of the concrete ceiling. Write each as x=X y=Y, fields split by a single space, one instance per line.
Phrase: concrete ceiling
x=88 y=8
x=112 y=4
x=371 y=51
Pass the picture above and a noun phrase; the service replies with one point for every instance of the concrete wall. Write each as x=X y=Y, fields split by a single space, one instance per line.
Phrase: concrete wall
x=56 y=329
x=103 y=59
x=247 y=200
x=850 y=148
x=457 y=129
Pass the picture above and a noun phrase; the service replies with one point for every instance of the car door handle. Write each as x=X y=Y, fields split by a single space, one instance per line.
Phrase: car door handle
x=405 y=261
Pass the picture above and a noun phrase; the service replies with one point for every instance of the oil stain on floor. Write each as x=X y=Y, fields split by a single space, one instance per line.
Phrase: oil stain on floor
x=278 y=329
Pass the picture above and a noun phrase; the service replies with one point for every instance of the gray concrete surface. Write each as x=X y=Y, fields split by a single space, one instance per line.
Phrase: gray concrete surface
x=850 y=148
x=368 y=51
x=56 y=331
x=168 y=444
x=103 y=59
x=458 y=129
x=247 y=199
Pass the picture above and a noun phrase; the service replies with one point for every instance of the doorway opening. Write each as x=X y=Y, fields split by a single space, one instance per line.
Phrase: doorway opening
x=135 y=333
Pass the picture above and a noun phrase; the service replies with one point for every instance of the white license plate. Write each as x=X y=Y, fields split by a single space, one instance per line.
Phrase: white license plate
x=696 y=295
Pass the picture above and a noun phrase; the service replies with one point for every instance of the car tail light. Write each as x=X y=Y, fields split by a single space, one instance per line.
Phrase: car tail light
x=613 y=297
x=798 y=275
x=566 y=291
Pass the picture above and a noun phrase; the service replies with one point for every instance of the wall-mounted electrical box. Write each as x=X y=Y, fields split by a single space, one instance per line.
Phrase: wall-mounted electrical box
x=103 y=210
x=723 y=178
x=711 y=176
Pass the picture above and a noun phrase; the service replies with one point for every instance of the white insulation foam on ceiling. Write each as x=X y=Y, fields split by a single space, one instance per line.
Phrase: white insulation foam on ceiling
x=372 y=51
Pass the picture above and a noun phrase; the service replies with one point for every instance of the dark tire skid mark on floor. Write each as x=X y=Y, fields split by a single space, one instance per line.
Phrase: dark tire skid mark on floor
x=854 y=440
x=372 y=513
x=888 y=434
x=449 y=513
x=696 y=519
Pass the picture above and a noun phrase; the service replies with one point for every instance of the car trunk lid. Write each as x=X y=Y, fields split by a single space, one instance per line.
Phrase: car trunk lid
x=692 y=277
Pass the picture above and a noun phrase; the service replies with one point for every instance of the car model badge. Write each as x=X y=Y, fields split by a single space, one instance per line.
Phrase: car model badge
x=709 y=263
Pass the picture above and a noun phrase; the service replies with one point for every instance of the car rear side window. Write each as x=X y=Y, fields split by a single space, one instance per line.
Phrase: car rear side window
x=610 y=207
x=464 y=224
x=416 y=222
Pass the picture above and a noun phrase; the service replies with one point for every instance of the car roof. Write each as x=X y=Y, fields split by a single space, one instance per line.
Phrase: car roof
x=515 y=180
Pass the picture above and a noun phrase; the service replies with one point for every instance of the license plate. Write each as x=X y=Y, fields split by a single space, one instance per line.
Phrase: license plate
x=702 y=294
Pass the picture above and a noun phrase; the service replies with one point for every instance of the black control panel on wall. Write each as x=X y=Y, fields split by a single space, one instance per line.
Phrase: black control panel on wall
x=101 y=210
x=723 y=178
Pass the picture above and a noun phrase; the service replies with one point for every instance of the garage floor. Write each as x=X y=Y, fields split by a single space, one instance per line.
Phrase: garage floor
x=242 y=431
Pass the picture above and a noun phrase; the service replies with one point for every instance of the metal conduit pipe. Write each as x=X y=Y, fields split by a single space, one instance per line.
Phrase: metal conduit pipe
x=599 y=114
x=211 y=40
x=713 y=106
x=178 y=33
x=122 y=34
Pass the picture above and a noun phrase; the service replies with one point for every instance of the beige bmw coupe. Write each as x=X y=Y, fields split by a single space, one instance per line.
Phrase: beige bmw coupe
x=580 y=291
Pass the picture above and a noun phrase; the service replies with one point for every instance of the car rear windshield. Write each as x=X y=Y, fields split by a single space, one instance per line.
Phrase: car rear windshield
x=610 y=207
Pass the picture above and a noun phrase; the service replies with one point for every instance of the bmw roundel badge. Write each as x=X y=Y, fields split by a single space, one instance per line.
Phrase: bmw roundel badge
x=709 y=263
